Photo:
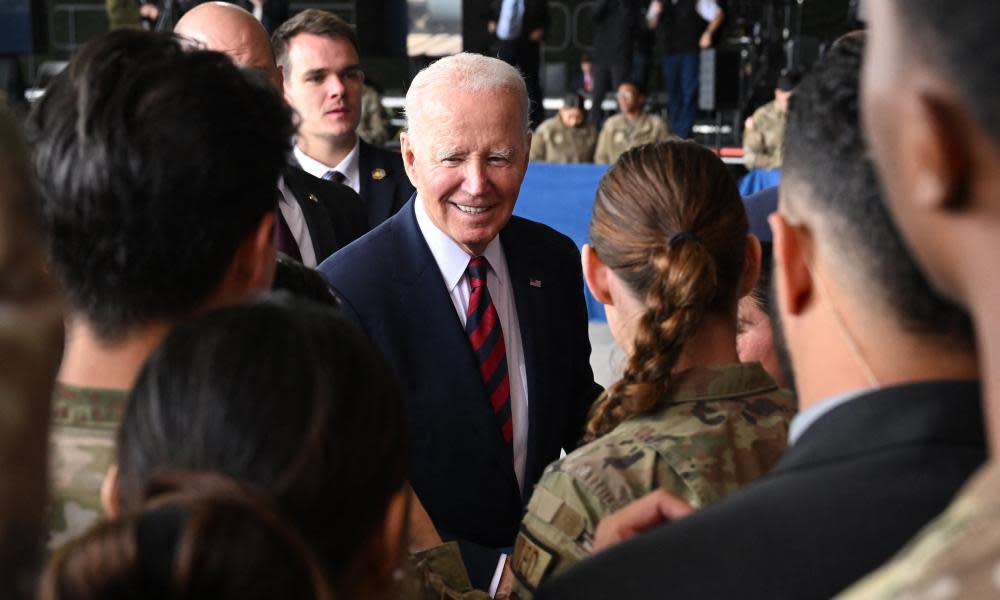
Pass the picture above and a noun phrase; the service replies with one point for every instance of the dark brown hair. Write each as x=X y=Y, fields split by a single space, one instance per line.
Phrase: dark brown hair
x=196 y=536
x=313 y=21
x=669 y=222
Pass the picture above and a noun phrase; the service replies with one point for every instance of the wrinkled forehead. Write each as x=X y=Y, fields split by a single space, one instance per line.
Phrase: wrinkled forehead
x=464 y=115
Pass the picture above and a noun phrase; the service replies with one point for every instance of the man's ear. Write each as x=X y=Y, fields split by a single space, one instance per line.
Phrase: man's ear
x=935 y=135
x=392 y=545
x=792 y=253
x=263 y=254
x=406 y=149
x=751 y=266
x=595 y=273
x=110 y=496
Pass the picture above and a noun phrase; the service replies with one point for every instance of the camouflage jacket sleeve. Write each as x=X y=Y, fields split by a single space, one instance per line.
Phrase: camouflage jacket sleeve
x=438 y=573
x=956 y=556
x=572 y=497
x=754 y=145
x=602 y=155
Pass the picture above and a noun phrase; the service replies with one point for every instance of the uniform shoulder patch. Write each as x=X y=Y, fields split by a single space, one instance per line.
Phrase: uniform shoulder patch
x=531 y=560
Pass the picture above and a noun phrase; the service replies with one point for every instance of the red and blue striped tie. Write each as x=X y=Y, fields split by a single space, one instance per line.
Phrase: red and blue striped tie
x=483 y=328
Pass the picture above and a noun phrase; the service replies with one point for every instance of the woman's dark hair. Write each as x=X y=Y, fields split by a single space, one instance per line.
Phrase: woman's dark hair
x=668 y=220
x=761 y=293
x=285 y=396
x=196 y=536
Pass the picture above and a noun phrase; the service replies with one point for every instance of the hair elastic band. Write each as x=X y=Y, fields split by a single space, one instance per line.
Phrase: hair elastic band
x=683 y=236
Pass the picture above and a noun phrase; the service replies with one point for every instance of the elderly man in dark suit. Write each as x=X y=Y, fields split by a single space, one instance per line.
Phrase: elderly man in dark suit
x=317 y=52
x=890 y=425
x=316 y=218
x=480 y=314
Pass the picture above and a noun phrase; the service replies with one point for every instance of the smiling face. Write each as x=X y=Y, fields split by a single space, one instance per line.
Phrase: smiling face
x=467 y=163
x=323 y=83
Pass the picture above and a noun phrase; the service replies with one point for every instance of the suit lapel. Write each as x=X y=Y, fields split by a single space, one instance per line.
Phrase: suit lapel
x=528 y=275
x=423 y=293
x=318 y=220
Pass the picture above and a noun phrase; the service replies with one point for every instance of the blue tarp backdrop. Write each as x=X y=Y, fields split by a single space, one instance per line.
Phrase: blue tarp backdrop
x=561 y=196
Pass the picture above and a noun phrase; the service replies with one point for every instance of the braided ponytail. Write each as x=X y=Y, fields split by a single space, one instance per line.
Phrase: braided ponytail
x=672 y=227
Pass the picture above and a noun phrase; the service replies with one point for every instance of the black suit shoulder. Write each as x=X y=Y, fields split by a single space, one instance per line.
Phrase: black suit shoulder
x=385 y=186
x=334 y=214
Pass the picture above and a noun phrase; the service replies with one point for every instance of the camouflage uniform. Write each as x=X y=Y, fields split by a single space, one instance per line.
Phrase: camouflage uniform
x=374 y=125
x=439 y=573
x=764 y=138
x=122 y=13
x=85 y=423
x=956 y=556
x=720 y=428
x=554 y=142
x=621 y=133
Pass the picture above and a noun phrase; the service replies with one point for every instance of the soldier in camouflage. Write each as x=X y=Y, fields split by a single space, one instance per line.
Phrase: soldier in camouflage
x=566 y=137
x=721 y=427
x=685 y=417
x=84 y=423
x=948 y=212
x=179 y=242
x=629 y=128
x=374 y=125
x=764 y=132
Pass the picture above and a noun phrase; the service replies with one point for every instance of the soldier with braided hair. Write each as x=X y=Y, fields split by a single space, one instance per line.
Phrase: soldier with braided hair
x=670 y=257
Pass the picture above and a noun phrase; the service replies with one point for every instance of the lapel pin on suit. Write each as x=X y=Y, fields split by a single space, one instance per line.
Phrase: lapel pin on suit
x=535 y=283
x=312 y=197
x=378 y=174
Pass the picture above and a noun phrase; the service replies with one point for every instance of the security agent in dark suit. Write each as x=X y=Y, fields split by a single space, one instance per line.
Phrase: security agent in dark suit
x=890 y=425
x=317 y=53
x=325 y=216
x=316 y=218
x=519 y=27
x=480 y=314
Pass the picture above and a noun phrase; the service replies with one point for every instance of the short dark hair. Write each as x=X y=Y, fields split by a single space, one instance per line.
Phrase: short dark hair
x=573 y=100
x=313 y=21
x=282 y=394
x=827 y=157
x=199 y=535
x=960 y=36
x=154 y=164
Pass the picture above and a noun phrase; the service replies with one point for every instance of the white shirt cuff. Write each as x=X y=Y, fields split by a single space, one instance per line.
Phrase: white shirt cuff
x=497 y=574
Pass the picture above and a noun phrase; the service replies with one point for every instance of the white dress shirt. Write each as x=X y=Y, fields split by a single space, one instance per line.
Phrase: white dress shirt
x=296 y=220
x=349 y=167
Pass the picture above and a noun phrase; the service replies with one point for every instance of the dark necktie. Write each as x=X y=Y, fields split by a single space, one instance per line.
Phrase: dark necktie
x=284 y=238
x=334 y=176
x=482 y=325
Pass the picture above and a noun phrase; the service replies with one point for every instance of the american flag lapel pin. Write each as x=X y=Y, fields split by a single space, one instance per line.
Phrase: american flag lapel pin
x=535 y=283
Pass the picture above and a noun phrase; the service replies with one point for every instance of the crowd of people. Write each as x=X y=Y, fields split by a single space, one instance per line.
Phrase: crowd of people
x=247 y=354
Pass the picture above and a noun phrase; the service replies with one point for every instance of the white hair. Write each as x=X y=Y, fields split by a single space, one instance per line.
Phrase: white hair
x=464 y=72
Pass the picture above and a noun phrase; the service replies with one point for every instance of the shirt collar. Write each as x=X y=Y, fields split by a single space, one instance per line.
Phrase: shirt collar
x=451 y=259
x=349 y=166
x=808 y=417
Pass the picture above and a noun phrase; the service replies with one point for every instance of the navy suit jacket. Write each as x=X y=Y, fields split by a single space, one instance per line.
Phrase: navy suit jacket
x=333 y=213
x=460 y=467
x=385 y=187
x=858 y=484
